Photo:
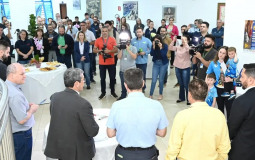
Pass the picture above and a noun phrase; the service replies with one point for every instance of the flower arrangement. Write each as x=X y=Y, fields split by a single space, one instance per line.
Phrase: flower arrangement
x=37 y=60
x=37 y=44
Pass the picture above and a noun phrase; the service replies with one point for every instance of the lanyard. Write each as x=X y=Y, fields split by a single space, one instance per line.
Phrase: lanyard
x=105 y=44
x=205 y=53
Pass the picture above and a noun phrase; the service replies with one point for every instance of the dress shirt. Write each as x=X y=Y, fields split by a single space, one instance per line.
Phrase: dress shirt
x=199 y=133
x=136 y=119
x=81 y=47
x=144 y=44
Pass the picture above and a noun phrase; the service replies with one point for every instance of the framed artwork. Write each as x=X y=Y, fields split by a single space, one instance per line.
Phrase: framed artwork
x=94 y=6
x=221 y=12
x=76 y=4
x=249 y=35
x=130 y=10
x=169 y=12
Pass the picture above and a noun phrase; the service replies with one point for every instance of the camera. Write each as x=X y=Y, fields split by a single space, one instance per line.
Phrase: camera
x=105 y=55
x=157 y=42
x=199 y=48
x=124 y=40
x=123 y=44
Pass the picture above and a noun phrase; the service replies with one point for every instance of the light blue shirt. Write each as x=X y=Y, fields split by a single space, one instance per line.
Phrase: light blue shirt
x=214 y=68
x=145 y=44
x=232 y=68
x=136 y=119
x=18 y=108
x=212 y=93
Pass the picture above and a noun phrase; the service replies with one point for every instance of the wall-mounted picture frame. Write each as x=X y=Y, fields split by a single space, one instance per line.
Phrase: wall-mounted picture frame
x=130 y=10
x=76 y=4
x=169 y=12
x=221 y=12
x=94 y=6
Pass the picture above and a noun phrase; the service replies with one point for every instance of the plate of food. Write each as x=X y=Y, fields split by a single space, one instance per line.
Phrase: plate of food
x=54 y=63
x=27 y=70
x=47 y=69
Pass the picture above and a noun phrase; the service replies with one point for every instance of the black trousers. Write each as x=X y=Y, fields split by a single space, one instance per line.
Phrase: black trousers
x=91 y=55
x=172 y=57
x=112 y=73
x=116 y=61
x=223 y=101
x=147 y=154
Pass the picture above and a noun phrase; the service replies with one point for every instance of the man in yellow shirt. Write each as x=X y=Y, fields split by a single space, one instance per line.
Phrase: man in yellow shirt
x=199 y=132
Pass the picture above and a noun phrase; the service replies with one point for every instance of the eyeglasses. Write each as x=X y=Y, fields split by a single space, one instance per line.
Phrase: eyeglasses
x=82 y=25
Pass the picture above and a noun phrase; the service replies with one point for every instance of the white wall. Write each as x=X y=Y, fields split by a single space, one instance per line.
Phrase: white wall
x=235 y=15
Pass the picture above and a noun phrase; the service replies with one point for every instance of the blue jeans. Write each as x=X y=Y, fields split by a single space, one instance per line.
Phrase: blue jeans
x=158 y=70
x=23 y=142
x=24 y=62
x=91 y=56
x=143 y=67
x=66 y=59
x=86 y=68
x=123 y=88
x=183 y=77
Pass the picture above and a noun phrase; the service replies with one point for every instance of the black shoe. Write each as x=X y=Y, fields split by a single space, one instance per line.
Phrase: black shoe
x=114 y=95
x=101 y=96
x=93 y=81
x=188 y=103
x=88 y=87
x=178 y=101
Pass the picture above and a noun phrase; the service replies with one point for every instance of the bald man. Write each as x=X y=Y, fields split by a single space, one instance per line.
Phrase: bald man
x=21 y=112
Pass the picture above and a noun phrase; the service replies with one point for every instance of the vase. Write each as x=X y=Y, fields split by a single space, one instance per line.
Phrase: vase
x=38 y=65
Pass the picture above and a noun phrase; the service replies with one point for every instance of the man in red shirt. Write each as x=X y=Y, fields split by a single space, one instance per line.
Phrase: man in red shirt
x=106 y=47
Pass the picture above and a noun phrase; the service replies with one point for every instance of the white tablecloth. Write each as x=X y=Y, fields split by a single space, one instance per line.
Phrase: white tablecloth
x=41 y=85
x=105 y=147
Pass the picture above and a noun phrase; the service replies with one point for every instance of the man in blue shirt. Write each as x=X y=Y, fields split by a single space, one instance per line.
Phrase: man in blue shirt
x=136 y=120
x=218 y=33
x=21 y=112
x=143 y=46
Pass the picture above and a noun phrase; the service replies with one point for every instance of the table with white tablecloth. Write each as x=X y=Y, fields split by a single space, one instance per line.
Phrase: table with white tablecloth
x=40 y=85
x=105 y=147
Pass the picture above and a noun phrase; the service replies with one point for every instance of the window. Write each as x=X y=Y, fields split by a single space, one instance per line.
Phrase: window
x=43 y=8
x=5 y=9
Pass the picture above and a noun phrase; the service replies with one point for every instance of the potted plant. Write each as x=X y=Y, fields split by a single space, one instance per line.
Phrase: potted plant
x=32 y=25
x=37 y=61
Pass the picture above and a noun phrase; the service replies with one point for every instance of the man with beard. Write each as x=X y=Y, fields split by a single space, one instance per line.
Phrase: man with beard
x=204 y=58
x=242 y=118
x=49 y=35
x=4 y=54
x=167 y=40
x=63 y=45
x=95 y=25
x=143 y=46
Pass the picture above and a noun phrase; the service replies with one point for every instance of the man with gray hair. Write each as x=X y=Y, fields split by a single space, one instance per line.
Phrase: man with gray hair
x=218 y=33
x=72 y=124
x=242 y=118
x=4 y=54
x=21 y=112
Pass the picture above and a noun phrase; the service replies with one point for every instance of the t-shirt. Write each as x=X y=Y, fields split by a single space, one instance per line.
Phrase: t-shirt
x=208 y=56
x=126 y=60
x=232 y=68
x=217 y=69
x=212 y=93
x=61 y=42
x=110 y=44
x=24 y=47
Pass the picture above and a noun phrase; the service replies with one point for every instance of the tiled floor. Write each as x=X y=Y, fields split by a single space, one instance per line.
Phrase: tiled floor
x=42 y=116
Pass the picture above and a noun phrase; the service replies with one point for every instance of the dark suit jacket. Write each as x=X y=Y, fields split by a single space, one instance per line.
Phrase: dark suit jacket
x=241 y=126
x=69 y=41
x=3 y=69
x=72 y=127
x=77 y=53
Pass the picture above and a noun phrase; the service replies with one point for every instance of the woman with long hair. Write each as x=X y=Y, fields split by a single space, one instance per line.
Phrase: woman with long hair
x=160 y=63
x=182 y=66
x=123 y=21
x=81 y=54
x=138 y=25
x=41 y=45
x=218 y=67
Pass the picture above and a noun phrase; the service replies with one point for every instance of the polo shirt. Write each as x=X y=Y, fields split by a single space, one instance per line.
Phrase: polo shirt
x=24 y=47
x=110 y=44
x=18 y=108
x=136 y=119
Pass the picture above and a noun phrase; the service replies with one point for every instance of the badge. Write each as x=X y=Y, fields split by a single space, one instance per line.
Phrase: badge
x=201 y=65
x=125 y=58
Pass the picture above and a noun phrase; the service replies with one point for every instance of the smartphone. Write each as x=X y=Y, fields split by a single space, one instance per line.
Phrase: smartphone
x=179 y=37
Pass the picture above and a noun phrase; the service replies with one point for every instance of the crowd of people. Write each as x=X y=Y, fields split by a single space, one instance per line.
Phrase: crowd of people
x=200 y=132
